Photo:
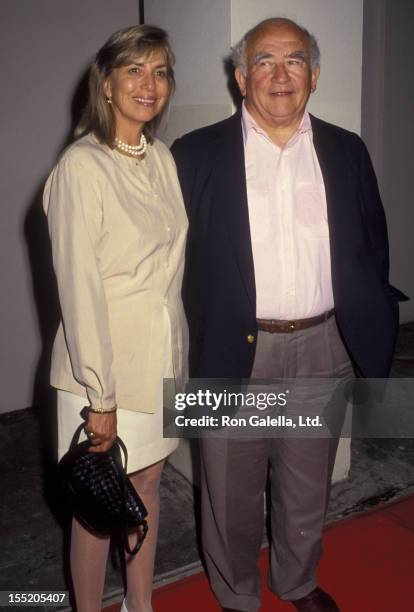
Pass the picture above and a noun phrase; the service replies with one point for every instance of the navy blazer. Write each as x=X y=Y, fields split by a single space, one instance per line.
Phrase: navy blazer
x=219 y=285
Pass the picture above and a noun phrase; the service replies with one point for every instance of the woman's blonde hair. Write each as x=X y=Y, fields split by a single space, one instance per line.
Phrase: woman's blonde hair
x=121 y=49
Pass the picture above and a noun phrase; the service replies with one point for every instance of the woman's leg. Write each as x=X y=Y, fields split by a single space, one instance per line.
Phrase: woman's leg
x=88 y=555
x=140 y=568
x=88 y=552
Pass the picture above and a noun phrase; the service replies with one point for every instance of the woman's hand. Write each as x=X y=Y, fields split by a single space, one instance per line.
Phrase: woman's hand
x=101 y=430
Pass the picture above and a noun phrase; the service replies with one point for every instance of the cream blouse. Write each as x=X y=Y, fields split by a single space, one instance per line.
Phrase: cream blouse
x=118 y=228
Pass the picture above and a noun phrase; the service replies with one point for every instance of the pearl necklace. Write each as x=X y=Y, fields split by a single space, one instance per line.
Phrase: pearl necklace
x=134 y=150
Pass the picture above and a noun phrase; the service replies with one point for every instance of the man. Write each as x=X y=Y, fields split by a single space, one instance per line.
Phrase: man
x=287 y=276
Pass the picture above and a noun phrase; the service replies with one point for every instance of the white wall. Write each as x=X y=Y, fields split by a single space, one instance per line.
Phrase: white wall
x=200 y=37
x=45 y=46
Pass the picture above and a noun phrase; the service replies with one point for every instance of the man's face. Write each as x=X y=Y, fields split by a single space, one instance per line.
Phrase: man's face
x=279 y=78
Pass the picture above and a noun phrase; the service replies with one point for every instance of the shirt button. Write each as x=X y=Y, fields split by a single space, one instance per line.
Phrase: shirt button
x=250 y=339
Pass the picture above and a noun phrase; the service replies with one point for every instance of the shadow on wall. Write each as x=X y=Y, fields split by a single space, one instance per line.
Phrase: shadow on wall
x=48 y=310
x=232 y=86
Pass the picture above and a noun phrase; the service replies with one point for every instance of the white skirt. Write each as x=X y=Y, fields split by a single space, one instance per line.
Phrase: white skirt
x=141 y=432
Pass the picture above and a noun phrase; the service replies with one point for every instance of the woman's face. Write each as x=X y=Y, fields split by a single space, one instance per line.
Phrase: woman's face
x=138 y=91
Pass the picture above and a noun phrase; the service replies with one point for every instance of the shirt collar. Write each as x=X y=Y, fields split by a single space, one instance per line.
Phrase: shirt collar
x=249 y=125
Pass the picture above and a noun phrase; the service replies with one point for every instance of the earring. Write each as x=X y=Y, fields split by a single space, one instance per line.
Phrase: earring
x=108 y=100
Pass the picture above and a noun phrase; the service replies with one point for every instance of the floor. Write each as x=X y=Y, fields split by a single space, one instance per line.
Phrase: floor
x=372 y=573
x=32 y=519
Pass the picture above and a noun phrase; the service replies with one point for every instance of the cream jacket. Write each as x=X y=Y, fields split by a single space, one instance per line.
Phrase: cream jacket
x=118 y=228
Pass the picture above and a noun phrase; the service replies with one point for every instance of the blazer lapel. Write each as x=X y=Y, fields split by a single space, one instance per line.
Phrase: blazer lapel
x=331 y=156
x=231 y=177
x=331 y=160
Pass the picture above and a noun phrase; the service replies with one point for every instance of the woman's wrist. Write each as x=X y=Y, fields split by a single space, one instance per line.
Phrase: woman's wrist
x=101 y=410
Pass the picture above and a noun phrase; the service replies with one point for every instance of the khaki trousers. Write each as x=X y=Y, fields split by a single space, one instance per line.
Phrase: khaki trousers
x=298 y=470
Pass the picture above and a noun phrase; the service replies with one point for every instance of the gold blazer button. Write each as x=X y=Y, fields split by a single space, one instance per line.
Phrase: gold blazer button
x=250 y=339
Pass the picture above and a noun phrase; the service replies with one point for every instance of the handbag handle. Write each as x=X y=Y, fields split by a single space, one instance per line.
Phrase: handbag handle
x=82 y=426
x=122 y=477
x=121 y=481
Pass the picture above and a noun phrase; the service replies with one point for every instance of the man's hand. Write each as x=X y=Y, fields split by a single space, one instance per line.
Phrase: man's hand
x=101 y=429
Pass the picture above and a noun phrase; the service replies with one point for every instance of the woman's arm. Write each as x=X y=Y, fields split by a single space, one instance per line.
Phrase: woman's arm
x=73 y=205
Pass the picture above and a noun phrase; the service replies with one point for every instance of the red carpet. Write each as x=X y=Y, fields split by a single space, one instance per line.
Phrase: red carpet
x=367 y=566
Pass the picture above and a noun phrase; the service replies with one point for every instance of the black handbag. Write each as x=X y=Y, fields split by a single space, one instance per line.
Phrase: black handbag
x=100 y=493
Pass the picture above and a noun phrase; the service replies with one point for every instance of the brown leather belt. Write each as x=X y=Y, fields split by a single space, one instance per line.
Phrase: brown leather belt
x=283 y=327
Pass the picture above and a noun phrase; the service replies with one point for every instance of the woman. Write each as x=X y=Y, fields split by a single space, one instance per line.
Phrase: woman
x=118 y=227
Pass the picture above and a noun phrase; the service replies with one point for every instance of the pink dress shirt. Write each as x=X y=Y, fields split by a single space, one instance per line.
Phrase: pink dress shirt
x=288 y=223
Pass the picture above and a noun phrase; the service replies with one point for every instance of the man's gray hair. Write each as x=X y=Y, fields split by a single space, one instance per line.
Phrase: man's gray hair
x=238 y=52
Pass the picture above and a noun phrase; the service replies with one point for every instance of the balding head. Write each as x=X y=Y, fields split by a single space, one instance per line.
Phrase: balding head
x=239 y=51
